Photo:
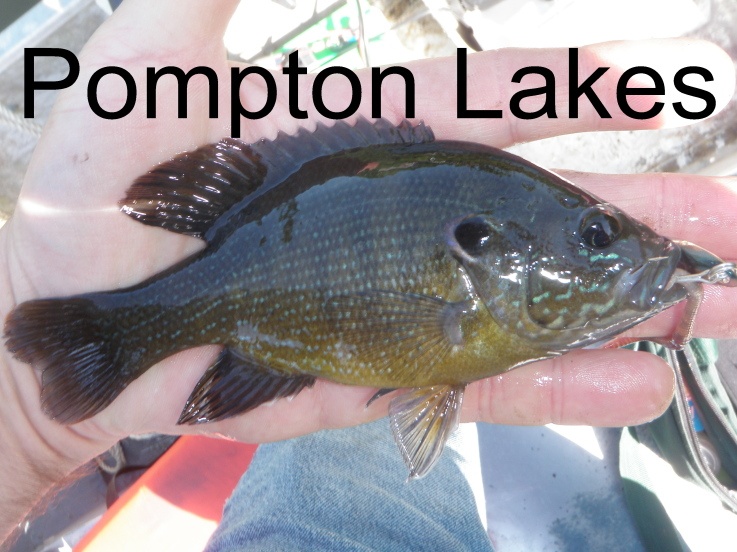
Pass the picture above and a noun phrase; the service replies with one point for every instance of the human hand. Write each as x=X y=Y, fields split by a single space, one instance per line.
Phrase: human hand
x=67 y=235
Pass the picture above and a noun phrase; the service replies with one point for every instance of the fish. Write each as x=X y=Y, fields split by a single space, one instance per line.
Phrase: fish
x=365 y=254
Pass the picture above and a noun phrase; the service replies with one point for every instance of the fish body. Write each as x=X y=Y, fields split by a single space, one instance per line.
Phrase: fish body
x=370 y=255
x=308 y=283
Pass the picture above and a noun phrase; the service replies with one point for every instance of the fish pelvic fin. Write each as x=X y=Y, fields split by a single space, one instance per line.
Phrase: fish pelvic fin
x=235 y=384
x=380 y=393
x=68 y=340
x=192 y=191
x=422 y=420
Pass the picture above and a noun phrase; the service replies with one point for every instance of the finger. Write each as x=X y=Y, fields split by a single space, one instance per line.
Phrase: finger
x=601 y=388
x=490 y=86
x=714 y=319
x=167 y=27
x=583 y=387
x=327 y=405
x=702 y=210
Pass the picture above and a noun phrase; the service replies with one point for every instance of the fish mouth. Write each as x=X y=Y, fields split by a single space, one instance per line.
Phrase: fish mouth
x=664 y=280
x=698 y=266
x=653 y=286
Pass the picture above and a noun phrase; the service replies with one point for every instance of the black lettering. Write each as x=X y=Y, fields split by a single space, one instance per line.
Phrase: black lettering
x=317 y=92
x=575 y=90
x=623 y=91
x=708 y=97
x=236 y=106
x=462 y=90
x=30 y=84
x=152 y=80
x=293 y=70
x=130 y=93
x=377 y=78
x=549 y=90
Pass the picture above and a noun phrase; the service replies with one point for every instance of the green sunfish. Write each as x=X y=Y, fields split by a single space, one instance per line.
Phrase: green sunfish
x=370 y=255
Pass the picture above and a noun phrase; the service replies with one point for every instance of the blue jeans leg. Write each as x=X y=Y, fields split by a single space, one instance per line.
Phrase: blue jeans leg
x=347 y=490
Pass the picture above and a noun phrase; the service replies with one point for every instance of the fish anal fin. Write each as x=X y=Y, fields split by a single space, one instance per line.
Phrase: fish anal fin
x=387 y=327
x=422 y=420
x=235 y=384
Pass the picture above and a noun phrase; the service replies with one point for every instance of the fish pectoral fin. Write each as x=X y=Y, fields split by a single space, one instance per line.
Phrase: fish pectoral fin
x=397 y=330
x=235 y=384
x=422 y=421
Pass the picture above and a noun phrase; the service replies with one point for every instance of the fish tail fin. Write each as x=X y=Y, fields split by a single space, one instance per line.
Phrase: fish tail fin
x=82 y=358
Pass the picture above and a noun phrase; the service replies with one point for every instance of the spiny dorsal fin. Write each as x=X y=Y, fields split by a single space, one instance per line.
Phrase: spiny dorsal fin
x=287 y=153
x=190 y=192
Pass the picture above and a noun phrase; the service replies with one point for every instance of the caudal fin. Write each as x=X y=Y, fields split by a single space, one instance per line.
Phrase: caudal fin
x=84 y=365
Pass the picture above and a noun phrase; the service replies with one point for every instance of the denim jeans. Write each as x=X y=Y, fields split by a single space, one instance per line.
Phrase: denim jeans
x=347 y=490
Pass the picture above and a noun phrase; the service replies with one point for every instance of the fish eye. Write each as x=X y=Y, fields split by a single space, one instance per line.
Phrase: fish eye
x=600 y=229
x=473 y=235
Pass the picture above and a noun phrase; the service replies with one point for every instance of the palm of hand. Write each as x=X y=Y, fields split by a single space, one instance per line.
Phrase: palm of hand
x=68 y=235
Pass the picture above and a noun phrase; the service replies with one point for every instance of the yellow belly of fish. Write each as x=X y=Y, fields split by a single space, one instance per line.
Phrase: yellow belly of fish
x=485 y=350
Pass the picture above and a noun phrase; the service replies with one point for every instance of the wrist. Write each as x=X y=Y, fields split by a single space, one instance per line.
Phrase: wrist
x=36 y=454
x=31 y=461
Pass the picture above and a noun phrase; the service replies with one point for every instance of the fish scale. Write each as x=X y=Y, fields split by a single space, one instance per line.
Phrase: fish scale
x=383 y=258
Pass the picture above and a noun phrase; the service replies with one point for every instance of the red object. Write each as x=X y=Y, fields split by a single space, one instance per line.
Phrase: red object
x=177 y=503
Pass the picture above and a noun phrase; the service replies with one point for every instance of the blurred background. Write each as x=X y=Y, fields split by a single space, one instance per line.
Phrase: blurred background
x=546 y=488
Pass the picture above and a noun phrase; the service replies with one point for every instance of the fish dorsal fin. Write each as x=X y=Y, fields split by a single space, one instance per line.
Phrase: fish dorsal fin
x=194 y=189
x=287 y=153
x=188 y=193
x=422 y=421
